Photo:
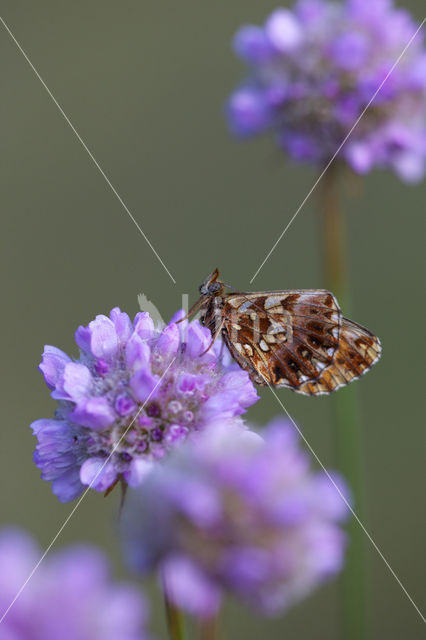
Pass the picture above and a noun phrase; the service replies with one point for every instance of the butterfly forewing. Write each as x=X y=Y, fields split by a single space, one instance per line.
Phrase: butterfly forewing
x=283 y=338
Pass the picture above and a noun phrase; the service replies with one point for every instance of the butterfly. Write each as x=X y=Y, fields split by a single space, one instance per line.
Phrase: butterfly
x=296 y=338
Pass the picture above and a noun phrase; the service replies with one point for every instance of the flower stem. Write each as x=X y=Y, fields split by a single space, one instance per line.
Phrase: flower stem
x=347 y=424
x=208 y=628
x=174 y=616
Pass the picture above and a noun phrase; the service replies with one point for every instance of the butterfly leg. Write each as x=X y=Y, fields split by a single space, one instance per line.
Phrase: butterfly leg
x=222 y=348
x=217 y=332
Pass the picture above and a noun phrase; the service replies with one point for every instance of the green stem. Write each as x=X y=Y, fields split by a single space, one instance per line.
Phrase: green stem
x=347 y=422
x=174 y=616
x=333 y=226
x=208 y=628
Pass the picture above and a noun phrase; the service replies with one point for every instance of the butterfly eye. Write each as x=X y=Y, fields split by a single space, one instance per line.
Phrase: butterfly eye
x=215 y=286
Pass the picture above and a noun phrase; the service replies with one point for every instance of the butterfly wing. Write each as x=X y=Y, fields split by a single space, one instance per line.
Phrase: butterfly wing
x=358 y=350
x=282 y=338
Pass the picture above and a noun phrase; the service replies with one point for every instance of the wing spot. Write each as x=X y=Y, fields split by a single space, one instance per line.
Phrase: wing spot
x=291 y=298
x=314 y=326
x=292 y=364
x=238 y=347
x=273 y=301
x=303 y=352
x=263 y=345
x=276 y=327
x=248 y=349
x=330 y=315
x=278 y=372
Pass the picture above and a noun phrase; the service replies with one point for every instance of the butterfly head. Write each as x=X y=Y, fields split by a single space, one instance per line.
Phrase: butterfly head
x=211 y=285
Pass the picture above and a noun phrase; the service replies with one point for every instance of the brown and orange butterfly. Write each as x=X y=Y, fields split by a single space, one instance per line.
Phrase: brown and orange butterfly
x=292 y=338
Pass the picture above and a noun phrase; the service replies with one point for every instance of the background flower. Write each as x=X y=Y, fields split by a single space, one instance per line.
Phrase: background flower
x=71 y=595
x=232 y=512
x=313 y=70
x=131 y=374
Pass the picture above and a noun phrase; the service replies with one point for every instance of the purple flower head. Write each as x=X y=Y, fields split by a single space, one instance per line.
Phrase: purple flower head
x=314 y=70
x=71 y=596
x=233 y=512
x=134 y=393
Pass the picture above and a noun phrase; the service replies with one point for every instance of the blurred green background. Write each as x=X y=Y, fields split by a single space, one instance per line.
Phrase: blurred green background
x=144 y=83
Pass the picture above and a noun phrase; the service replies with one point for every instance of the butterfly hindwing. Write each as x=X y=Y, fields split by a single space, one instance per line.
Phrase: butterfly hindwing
x=358 y=350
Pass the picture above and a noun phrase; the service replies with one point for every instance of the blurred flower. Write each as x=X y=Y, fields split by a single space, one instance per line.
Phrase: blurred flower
x=130 y=375
x=230 y=511
x=313 y=70
x=71 y=595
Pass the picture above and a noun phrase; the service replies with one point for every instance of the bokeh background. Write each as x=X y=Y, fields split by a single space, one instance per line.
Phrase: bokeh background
x=144 y=83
